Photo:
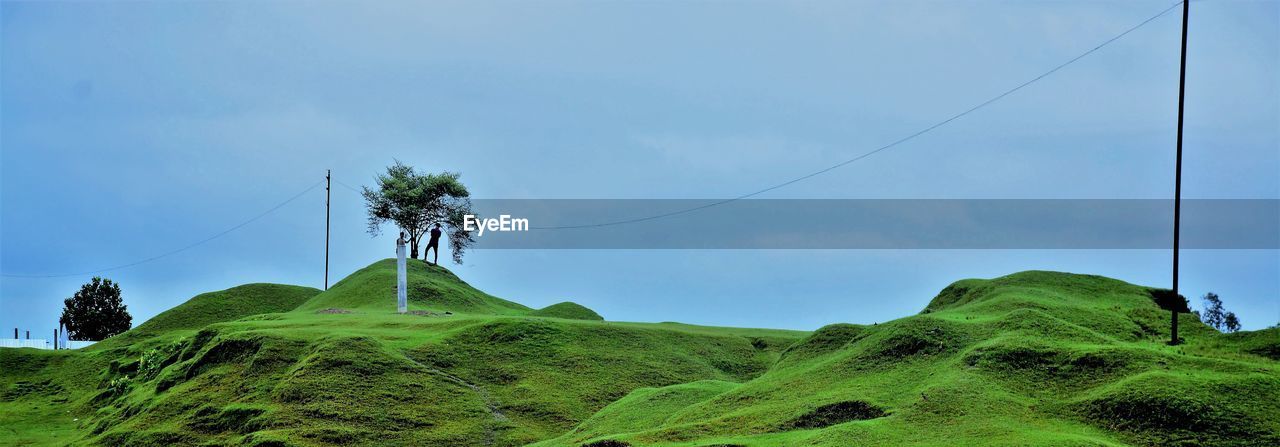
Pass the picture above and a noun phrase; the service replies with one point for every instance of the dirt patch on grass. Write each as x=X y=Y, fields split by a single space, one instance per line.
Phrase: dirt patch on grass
x=333 y=310
x=607 y=443
x=837 y=413
x=427 y=313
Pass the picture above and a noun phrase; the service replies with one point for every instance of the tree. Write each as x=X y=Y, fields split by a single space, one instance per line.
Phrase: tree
x=1218 y=316
x=416 y=202
x=1231 y=322
x=95 y=312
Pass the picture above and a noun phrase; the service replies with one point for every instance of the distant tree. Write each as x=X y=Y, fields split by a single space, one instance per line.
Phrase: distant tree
x=1231 y=322
x=1218 y=316
x=416 y=202
x=95 y=312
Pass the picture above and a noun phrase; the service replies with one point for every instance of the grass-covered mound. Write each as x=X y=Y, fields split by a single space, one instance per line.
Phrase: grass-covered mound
x=430 y=288
x=227 y=305
x=1035 y=358
x=340 y=379
x=465 y=368
x=567 y=310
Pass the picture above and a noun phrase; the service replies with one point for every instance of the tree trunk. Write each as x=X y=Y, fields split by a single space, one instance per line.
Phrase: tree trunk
x=413 y=248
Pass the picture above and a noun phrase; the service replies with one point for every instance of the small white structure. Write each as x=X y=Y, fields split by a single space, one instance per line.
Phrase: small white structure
x=402 y=296
x=40 y=343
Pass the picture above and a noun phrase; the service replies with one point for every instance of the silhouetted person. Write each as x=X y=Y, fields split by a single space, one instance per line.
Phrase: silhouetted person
x=433 y=243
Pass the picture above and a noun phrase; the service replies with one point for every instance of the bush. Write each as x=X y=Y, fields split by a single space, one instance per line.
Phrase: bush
x=119 y=386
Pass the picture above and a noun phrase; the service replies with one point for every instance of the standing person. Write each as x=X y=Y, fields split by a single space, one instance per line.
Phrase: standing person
x=433 y=243
x=402 y=283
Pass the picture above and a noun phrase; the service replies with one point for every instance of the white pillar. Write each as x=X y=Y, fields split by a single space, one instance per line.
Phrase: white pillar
x=402 y=297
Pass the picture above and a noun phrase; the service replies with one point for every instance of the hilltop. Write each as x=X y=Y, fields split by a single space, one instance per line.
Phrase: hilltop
x=1033 y=358
x=430 y=287
x=224 y=305
x=569 y=310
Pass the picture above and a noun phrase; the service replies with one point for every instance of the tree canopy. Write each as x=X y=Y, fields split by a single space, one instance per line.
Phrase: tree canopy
x=1216 y=315
x=95 y=312
x=415 y=202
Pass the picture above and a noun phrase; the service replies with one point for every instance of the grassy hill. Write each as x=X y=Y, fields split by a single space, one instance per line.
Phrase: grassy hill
x=430 y=288
x=465 y=368
x=568 y=310
x=227 y=305
x=1034 y=358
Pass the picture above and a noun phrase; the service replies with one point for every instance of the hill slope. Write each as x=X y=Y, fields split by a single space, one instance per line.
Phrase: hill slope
x=1034 y=358
x=227 y=305
x=430 y=288
x=568 y=310
x=344 y=368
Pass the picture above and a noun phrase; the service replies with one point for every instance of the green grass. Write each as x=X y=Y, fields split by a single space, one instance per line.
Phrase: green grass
x=567 y=310
x=430 y=288
x=1034 y=358
x=227 y=305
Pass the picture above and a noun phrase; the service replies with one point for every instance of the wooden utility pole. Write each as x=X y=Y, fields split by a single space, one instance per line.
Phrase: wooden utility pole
x=327 y=183
x=1177 y=182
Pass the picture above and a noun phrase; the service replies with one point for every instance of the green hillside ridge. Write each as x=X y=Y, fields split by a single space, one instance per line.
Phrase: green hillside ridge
x=568 y=310
x=227 y=305
x=344 y=368
x=430 y=288
x=1033 y=358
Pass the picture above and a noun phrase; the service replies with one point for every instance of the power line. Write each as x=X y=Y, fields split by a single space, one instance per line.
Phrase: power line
x=879 y=149
x=344 y=185
x=179 y=250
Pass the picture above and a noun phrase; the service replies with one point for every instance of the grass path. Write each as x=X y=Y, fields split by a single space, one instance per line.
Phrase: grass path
x=489 y=401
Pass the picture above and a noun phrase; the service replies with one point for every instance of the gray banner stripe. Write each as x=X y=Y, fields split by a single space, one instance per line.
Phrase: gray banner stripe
x=886 y=224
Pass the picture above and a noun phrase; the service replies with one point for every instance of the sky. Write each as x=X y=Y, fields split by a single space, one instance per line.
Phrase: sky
x=131 y=129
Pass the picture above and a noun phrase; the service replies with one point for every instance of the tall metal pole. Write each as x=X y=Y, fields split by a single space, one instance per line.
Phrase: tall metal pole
x=327 y=184
x=1177 y=182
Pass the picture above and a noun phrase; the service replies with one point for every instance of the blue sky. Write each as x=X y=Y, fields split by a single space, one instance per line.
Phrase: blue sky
x=129 y=129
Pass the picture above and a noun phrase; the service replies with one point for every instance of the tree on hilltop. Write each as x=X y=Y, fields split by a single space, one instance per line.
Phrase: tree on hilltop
x=417 y=201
